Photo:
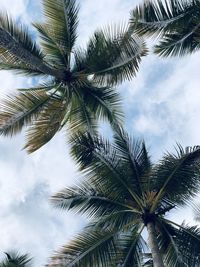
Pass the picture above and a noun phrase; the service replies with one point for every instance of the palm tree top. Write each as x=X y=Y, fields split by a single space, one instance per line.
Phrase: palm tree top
x=123 y=193
x=78 y=83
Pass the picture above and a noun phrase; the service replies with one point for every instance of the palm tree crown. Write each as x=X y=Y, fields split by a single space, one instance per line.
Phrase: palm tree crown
x=78 y=82
x=176 y=22
x=124 y=193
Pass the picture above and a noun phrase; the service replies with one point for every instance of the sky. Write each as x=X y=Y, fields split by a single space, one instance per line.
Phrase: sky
x=161 y=106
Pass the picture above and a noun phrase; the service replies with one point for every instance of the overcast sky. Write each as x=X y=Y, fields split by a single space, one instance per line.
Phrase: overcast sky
x=161 y=106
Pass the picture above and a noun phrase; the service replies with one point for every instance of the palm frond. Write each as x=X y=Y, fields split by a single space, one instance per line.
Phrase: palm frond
x=104 y=102
x=177 y=176
x=175 y=21
x=135 y=154
x=112 y=55
x=54 y=54
x=20 y=34
x=59 y=31
x=20 y=110
x=93 y=247
x=46 y=125
x=104 y=167
x=132 y=248
x=180 y=43
x=89 y=199
x=19 y=49
x=8 y=61
x=81 y=119
x=187 y=241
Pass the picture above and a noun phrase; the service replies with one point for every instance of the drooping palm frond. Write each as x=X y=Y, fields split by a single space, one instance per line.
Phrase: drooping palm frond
x=16 y=260
x=94 y=247
x=46 y=125
x=132 y=248
x=112 y=56
x=182 y=244
x=20 y=110
x=175 y=21
x=177 y=177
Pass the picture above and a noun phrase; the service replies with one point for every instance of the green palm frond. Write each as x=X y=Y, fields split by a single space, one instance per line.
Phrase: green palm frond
x=135 y=154
x=46 y=125
x=59 y=30
x=16 y=260
x=54 y=54
x=81 y=119
x=20 y=34
x=20 y=110
x=180 y=43
x=175 y=21
x=101 y=160
x=132 y=248
x=8 y=61
x=112 y=56
x=89 y=199
x=94 y=247
x=185 y=248
x=177 y=177
x=20 y=69
x=104 y=102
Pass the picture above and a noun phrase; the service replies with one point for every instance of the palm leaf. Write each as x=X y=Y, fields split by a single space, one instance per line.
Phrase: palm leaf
x=132 y=247
x=94 y=247
x=88 y=199
x=177 y=177
x=46 y=125
x=20 y=110
x=176 y=21
x=20 y=34
x=19 y=50
x=101 y=160
x=135 y=154
x=112 y=55
x=54 y=54
x=187 y=241
x=60 y=27
x=104 y=102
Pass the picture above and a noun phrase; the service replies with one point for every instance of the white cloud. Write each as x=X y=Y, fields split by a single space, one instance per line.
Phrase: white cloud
x=16 y=8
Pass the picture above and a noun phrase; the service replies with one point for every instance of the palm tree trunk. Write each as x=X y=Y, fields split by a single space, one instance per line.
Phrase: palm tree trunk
x=15 y=48
x=153 y=244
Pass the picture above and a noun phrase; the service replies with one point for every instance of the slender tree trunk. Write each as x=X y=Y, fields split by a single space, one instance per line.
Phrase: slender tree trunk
x=153 y=244
x=15 y=48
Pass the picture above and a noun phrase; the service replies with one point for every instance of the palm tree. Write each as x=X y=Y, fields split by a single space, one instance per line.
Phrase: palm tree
x=124 y=193
x=176 y=22
x=77 y=87
x=15 y=260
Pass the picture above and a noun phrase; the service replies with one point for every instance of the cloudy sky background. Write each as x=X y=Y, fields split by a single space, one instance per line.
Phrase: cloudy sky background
x=161 y=106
